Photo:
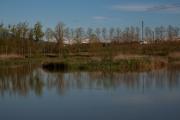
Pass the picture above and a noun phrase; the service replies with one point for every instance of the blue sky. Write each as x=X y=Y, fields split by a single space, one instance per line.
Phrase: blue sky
x=91 y=13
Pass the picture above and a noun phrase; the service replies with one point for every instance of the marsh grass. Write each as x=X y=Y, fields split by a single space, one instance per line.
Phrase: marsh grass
x=121 y=65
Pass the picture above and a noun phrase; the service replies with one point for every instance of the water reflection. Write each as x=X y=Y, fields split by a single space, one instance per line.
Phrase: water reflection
x=31 y=79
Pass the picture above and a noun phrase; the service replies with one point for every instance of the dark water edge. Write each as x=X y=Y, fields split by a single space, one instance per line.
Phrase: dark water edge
x=29 y=92
x=121 y=65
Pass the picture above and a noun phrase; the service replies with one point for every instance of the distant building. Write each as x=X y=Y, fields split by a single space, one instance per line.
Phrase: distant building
x=85 y=41
x=177 y=38
x=143 y=42
x=68 y=41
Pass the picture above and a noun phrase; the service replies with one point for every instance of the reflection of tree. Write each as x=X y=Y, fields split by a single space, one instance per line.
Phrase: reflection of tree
x=37 y=85
x=24 y=80
x=173 y=78
x=20 y=80
x=60 y=83
x=100 y=80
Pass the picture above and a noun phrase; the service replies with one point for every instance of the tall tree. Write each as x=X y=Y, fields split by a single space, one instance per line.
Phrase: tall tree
x=72 y=33
x=104 y=34
x=89 y=32
x=137 y=34
x=148 y=34
x=118 y=34
x=162 y=31
x=126 y=34
x=4 y=32
x=31 y=34
x=49 y=34
x=21 y=30
x=59 y=33
x=132 y=34
x=38 y=32
x=67 y=32
x=79 y=34
x=111 y=33
x=98 y=33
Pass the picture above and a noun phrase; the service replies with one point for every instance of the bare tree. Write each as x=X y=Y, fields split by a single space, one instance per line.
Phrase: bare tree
x=59 y=33
x=49 y=34
x=31 y=34
x=59 y=36
x=176 y=31
x=67 y=34
x=98 y=33
x=162 y=32
x=72 y=34
x=157 y=34
x=4 y=32
x=126 y=35
x=118 y=34
x=104 y=34
x=111 y=34
x=137 y=34
x=148 y=34
x=89 y=32
x=132 y=34
x=79 y=34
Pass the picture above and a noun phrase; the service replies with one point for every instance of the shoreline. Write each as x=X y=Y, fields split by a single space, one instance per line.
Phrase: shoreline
x=121 y=63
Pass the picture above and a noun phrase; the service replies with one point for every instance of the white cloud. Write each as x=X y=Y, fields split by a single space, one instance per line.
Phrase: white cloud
x=168 y=7
x=131 y=8
x=172 y=8
x=100 y=18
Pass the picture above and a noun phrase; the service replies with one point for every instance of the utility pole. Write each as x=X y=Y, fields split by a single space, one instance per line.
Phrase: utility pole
x=142 y=31
x=153 y=36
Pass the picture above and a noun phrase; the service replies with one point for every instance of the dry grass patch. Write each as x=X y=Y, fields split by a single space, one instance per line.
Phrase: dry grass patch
x=11 y=56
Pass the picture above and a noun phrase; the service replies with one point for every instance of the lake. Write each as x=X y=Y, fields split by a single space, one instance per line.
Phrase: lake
x=28 y=92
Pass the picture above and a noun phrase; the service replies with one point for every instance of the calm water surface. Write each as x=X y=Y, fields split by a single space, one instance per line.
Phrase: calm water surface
x=30 y=93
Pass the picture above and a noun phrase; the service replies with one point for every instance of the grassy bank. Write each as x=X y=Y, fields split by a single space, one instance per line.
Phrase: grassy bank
x=17 y=61
x=114 y=57
x=121 y=63
x=89 y=64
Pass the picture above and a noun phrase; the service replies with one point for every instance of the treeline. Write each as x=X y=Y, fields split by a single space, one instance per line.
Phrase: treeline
x=21 y=38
